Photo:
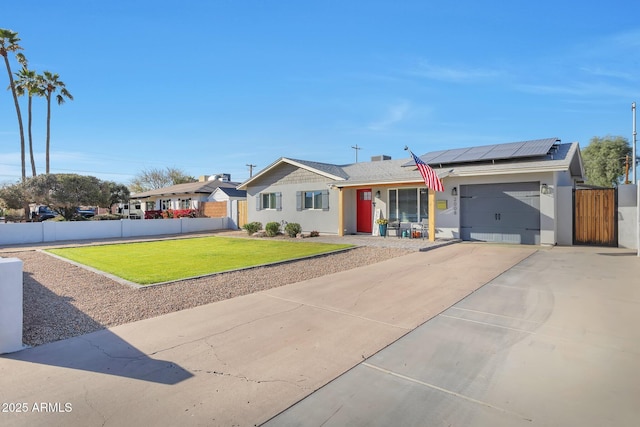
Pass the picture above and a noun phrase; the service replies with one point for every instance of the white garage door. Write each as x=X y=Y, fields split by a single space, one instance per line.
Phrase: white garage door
x=508 y=213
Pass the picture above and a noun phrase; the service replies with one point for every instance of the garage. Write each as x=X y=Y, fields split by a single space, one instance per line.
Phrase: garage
x=506 y=212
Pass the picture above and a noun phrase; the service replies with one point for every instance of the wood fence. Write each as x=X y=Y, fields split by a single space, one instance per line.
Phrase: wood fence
x=594 y=217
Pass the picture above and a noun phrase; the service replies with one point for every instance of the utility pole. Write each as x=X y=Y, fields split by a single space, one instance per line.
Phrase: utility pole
x=355 y=147
x=251 y=169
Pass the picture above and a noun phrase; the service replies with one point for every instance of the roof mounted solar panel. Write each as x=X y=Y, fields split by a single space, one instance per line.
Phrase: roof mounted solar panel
x=511 y=150
x=475 y=153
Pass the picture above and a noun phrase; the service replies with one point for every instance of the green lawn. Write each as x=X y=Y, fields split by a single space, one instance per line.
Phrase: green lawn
x=165 y=260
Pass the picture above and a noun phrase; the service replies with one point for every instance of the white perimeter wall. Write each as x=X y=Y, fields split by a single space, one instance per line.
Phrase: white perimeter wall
x=53 y=231
x=10 y=305
x=628 y=216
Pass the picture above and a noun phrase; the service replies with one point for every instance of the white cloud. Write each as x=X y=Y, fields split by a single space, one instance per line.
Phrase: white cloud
x=602 y=72
x=455 y=75
x=394 y=114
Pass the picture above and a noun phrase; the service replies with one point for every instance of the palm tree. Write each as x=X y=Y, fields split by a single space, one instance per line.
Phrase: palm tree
x=9 y=43
x=49 y=83
x=27 y=82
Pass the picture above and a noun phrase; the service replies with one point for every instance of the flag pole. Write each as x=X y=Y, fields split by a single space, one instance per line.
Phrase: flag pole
x=431 y=196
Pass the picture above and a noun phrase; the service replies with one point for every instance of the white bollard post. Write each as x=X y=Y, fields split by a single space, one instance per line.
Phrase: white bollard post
x=10 y=305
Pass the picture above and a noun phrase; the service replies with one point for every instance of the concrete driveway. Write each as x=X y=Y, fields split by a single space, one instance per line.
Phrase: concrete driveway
x=547 y=341
x=554 y=341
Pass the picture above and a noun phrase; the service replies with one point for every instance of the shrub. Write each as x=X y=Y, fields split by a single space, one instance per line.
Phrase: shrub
x=272 y=228
x=292 y=229
x=314 y=234
x=108 y=217
x=252 y=227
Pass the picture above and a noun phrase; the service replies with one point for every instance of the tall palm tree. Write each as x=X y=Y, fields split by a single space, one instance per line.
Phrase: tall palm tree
x=49 y=83
x=27 y=82
x=9 y=43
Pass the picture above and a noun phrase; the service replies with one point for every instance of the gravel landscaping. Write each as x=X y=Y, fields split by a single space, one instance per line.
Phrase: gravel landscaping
x=62 y=300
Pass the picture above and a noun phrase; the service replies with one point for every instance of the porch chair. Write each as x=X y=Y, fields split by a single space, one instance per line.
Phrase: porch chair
x=395 y=227
x=420 y=227
x=404 y=226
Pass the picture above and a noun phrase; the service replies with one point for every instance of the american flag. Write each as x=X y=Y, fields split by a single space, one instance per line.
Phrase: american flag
x=429 y=175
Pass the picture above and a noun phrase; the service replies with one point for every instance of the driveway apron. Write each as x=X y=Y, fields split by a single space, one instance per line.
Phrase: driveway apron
x=244 y=360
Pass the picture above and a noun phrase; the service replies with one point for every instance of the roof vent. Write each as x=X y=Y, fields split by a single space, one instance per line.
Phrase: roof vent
x=380 y=158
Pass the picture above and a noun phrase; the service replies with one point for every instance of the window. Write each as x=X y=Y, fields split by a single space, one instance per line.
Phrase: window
x=185 y=204
x=317 y=199
x=165 y=204
x=269 y=201
x=313 y=199
x=408 y=204
x=149 y=206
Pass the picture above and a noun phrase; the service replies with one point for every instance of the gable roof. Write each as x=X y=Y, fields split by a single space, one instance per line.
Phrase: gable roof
x=328 y=170
x=541 y=155
x=198 y=187
x=232 y=192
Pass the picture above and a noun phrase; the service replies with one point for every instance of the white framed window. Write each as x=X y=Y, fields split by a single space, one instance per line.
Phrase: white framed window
x=408 y=204
x=269 y=201
x=185 y=203
x=165 y=204
x=312 y=200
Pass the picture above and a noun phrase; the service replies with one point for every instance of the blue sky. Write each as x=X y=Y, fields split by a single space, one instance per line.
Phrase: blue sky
x=211 y=86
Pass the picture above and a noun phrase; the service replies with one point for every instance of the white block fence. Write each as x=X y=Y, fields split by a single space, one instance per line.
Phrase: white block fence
x=54 y=231
x=10 y=305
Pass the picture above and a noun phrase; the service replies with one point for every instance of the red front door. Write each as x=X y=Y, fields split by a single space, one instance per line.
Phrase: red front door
x=363 y=209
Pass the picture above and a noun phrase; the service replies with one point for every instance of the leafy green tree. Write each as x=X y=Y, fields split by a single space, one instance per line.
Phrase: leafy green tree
x=27 y=83
x=9 y=43
x=13 y=196
x=152 y=179
x=604 y=160
x=49 y=84
x=116 y=193
x=64 y=193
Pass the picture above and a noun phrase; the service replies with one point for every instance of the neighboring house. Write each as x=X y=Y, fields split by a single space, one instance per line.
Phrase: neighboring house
x=516 y=192
x=234 y=203
x=185 y=196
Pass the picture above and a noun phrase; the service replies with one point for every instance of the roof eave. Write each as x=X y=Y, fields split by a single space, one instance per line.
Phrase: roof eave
x=280 y=161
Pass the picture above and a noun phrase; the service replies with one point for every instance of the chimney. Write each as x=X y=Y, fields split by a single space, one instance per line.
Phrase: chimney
x=380 y=158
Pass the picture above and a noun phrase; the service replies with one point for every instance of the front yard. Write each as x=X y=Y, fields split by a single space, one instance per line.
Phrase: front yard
x=169 y=260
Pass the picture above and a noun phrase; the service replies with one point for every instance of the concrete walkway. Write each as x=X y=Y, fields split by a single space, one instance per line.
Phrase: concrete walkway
x=551 y=340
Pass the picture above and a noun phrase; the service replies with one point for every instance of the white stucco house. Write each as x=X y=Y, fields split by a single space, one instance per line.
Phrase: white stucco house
x=189 y=195
x=518 y=192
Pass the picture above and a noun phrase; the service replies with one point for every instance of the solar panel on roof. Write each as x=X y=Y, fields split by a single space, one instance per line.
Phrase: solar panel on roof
x=449 y=156
x=474 y=153
x=502 y=151
x=539 y=147
x=511 y=150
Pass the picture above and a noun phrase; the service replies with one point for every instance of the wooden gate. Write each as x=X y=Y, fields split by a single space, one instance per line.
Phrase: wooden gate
x=594 y=217
x=242 y=213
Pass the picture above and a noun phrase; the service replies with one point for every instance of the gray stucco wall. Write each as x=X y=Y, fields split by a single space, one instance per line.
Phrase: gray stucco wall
x=288 y=180
x=628 y=216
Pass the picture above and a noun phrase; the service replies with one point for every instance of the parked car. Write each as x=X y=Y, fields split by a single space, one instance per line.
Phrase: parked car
x=85 y=213
x=42 y=213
